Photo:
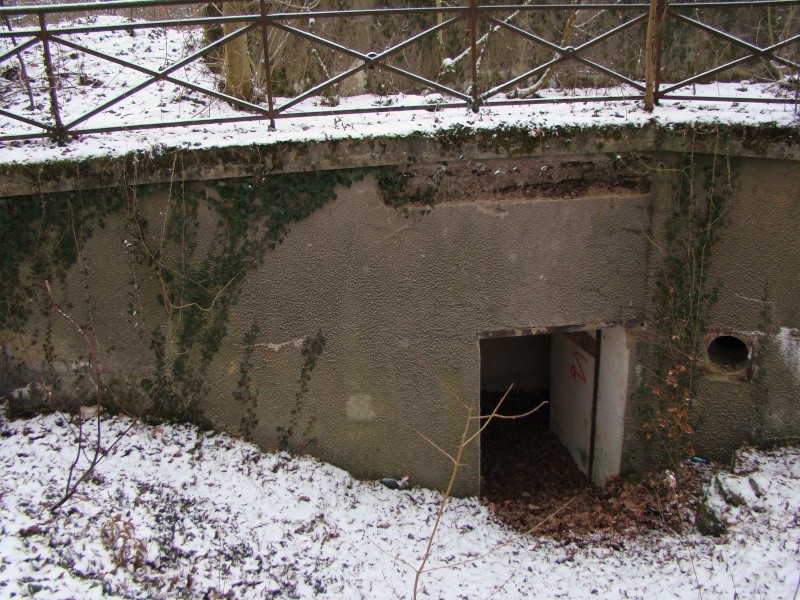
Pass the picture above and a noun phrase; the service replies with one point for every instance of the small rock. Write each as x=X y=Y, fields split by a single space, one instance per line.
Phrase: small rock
x=28 y=400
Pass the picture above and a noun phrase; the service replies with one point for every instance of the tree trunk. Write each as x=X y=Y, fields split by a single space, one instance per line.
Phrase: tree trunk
x=238 y=75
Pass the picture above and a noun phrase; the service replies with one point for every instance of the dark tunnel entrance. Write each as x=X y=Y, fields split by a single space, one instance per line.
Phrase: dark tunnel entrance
x=521 y=458
x=534 y=462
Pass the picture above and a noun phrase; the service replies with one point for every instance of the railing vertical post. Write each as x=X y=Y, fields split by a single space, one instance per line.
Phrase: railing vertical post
x=649 y=59
x=473 y=52
x=659 y=42
x=652 y=52
x=52 y=83
x=267 y=63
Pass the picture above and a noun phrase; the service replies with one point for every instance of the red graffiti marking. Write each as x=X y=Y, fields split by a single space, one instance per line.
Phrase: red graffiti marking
x=576 y=370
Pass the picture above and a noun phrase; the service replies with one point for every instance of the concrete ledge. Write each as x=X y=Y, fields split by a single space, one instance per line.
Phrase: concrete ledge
x=443 y=146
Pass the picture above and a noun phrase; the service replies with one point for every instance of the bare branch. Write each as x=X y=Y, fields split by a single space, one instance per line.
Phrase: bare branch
x=496 y=415
x=432 y=443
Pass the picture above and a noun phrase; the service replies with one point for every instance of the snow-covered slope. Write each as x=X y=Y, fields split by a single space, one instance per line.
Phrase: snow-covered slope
x=174 y=512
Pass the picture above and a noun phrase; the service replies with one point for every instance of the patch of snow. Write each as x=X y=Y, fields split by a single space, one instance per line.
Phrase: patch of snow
x=175 y=512
x=789 y=340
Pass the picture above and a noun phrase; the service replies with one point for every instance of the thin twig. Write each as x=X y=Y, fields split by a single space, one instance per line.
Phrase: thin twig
x=432 y=443
x=71 y=488
x=457 y=464
x=466 y=439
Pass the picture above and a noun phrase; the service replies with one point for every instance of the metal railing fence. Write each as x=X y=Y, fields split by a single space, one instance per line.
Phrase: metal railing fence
x=40 y=29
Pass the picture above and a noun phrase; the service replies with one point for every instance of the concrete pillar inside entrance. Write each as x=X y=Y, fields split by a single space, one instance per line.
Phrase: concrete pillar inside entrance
x=612 y=393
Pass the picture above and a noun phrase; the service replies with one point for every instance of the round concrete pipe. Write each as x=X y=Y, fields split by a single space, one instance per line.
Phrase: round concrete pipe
x=728 y=353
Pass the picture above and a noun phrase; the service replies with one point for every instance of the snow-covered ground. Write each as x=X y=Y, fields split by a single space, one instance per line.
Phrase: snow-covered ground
x=86 y=82
x=172 y=512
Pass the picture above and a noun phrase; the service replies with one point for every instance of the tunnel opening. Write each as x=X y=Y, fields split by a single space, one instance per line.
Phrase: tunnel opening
x=523 y=458
x=531 y=465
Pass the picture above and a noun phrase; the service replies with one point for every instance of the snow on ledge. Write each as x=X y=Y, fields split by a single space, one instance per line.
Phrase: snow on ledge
x=87 y=82
x=536 y=118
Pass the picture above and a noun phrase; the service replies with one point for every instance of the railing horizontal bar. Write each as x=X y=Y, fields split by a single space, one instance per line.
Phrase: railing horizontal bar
x=635 y=6
x=565 y=100
x=639 y=6
x=252 y=17
x=26 y=120
x=114 y=5
x=273 y=17
x=134 y=25
x=389 y=109
x=735 y=4
x=149 y=4
x=245 y=119
x=749 y=100
x=93 y=6
x=369 y=12
x=18 y=49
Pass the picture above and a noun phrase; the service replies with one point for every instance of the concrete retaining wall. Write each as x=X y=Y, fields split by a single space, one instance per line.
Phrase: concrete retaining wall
x=522 y=239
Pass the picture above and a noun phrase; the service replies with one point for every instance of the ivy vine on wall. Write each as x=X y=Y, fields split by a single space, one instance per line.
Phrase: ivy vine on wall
x=198 y=281
x=684 y=299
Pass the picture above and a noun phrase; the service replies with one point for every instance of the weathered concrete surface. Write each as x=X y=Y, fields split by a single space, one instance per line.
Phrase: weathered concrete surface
x=753 y=270
x=529 y=233
x=166 y=165
x=402 y=301
x=756 y=265
x=612 y=398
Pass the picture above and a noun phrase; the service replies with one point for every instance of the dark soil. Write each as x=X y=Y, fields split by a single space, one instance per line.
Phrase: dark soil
x=529 y=480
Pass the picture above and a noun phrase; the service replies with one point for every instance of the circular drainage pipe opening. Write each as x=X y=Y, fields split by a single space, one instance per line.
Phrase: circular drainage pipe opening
x=728 y=353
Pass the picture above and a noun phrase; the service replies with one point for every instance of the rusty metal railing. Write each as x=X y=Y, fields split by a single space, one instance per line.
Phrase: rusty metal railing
x=41 y=28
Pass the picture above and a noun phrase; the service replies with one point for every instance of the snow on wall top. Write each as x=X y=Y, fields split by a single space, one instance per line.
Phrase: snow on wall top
x=87 y=81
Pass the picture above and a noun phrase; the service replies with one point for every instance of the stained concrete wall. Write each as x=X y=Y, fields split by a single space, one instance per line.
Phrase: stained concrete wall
x=402 y=300
x=757 y=267
x=754 y=276
x=403 y=296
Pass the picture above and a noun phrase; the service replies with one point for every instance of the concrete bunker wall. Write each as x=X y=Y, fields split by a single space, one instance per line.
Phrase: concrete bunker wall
x=403 y=295
x=757 y=264
x=754 y=280
x=402 y=299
